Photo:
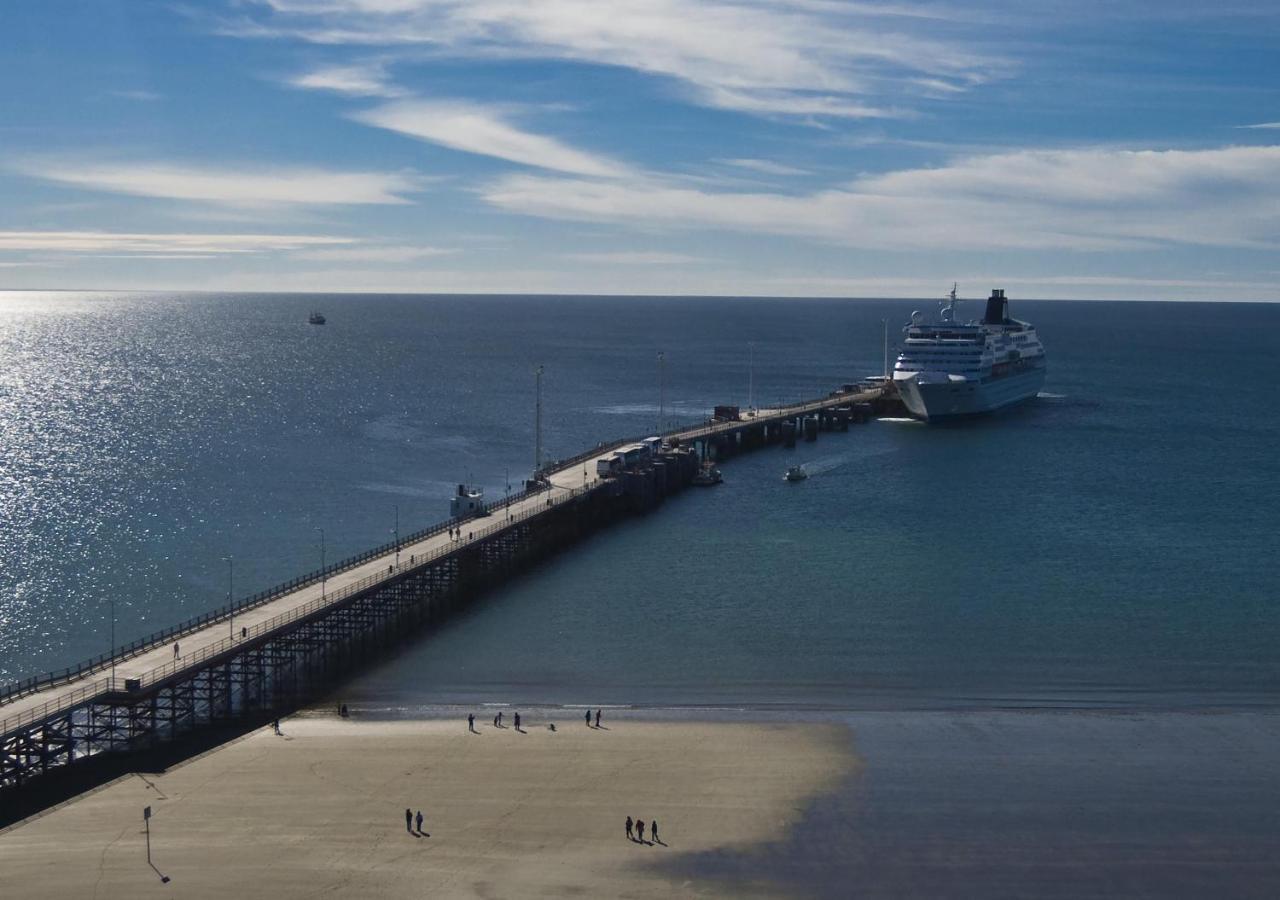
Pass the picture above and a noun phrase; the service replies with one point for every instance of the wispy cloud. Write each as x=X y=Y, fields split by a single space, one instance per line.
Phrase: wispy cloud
x=1266 y=125
x=1070 y=199
x=358 y=80
x=636 y=258
x=763 y=166
x=473 y=128
x=251 y=186
x=159 y=243
x=786 y=58
x=139 y=95
x=372 y=254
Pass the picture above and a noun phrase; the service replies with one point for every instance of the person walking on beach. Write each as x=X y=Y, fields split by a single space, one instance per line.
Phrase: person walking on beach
x=629 y=827
x=640 y=830
x=408 y=820
x=276 y=726
x=597 y=718
x=587 y=716
x=495 y=721
x=419 y=820
x=653 y=831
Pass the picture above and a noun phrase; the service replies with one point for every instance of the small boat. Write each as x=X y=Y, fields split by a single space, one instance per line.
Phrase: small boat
x=796 y=473
x=316 y=318
x=707 y=475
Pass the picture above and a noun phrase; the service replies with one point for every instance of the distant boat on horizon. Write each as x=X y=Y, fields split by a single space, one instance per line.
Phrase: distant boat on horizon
x=316 y=318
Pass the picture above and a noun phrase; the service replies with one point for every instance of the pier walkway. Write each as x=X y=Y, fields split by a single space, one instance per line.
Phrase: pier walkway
x=231 y=663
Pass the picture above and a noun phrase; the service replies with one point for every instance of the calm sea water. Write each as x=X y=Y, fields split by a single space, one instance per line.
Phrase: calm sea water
x=1111 y=544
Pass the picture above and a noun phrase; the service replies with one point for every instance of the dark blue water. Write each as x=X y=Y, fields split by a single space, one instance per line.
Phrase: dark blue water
x=1111 y=544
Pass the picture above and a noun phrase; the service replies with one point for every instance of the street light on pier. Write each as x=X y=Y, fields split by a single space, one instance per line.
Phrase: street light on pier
x=322 y=571
x=231 y=582
x=113 y=641
x=396 y=532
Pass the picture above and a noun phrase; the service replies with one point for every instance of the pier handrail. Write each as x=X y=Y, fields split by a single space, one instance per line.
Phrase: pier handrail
x=108 y=685
x=141 y=645
x=35 y=683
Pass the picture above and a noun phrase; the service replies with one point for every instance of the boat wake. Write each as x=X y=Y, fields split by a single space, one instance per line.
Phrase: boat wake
x=1045 y=395
x=899 y=420
x=826 y=464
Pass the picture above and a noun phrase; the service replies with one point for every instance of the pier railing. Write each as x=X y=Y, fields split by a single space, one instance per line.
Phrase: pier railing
x=311 y=607
x=143 y=644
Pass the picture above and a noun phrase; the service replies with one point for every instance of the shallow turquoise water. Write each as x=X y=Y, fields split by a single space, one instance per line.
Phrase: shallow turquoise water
x=1110 y=544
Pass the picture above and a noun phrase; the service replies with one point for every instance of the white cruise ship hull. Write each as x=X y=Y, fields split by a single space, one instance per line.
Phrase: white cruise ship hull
x=934 y=396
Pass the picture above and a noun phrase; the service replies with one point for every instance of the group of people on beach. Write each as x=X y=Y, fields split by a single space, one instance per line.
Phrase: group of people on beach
x=497 y=721
x=635 y=832
x=408 y=823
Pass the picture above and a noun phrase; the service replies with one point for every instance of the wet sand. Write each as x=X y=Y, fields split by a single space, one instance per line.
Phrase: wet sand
x=320 y=811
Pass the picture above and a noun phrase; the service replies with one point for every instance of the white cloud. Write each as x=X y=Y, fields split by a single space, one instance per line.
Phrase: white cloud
x=782 y=58
x=365 y=80
x=764 y=166
x=472 y=128
x=159 y=244
x=1068 y=199
x=384 y=254
x=245 y=187
x=636 y=258
x=1266 y=125
x=139 y=95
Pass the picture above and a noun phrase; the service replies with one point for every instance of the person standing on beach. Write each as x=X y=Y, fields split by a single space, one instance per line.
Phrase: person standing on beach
x=517 y=721
x=499 y=718
x=629 y=827
x=471 y=721
x=653 y=831
x=640 y=830
x=419 y=820
x=597 y=718
x=408 y=820
x=276 y=726
x=495 y=721
x=587 y=716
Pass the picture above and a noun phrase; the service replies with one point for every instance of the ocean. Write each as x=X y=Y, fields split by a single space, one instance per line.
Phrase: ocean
x=1110 y=545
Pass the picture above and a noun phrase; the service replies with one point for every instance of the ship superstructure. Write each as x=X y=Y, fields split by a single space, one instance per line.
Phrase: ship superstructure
x=947 y=369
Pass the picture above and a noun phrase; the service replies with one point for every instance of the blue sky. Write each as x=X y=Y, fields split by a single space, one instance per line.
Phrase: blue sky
x=796 y=147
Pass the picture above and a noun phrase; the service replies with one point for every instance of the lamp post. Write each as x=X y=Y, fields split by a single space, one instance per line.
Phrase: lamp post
x=113 y=641
x=396 y=532
x=751 y=375
x=322 y=571
x=884 y=323
x=662 y=388
x=231 y=582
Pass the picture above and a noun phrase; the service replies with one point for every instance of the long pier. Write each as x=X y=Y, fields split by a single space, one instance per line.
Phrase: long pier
x=274 y=651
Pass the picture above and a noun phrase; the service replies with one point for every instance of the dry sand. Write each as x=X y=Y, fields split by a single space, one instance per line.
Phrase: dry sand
x=320 y=812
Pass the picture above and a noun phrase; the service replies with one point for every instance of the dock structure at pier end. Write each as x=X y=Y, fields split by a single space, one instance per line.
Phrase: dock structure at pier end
x=280 y=649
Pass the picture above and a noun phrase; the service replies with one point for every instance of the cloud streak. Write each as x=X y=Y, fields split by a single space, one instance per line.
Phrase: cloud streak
x=363 y=80
x=473 y=128
x=1084 y=200
x=244 y=187
x=160 y=244
x=788 y=58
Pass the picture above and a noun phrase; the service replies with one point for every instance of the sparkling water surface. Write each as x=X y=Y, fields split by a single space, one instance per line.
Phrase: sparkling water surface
x=1110 y=544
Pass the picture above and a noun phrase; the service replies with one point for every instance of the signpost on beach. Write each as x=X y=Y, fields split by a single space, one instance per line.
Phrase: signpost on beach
x=146 y=820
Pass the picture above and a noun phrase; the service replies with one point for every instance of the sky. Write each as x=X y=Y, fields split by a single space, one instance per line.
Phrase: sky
x=1084 y=149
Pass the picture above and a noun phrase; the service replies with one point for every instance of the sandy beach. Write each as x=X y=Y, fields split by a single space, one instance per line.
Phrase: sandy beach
x=320 y=811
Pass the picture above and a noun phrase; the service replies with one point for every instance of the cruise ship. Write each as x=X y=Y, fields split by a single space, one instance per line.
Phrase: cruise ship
x=948 y=370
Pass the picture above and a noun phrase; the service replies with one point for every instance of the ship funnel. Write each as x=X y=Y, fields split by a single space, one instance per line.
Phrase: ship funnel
x=997 y=309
